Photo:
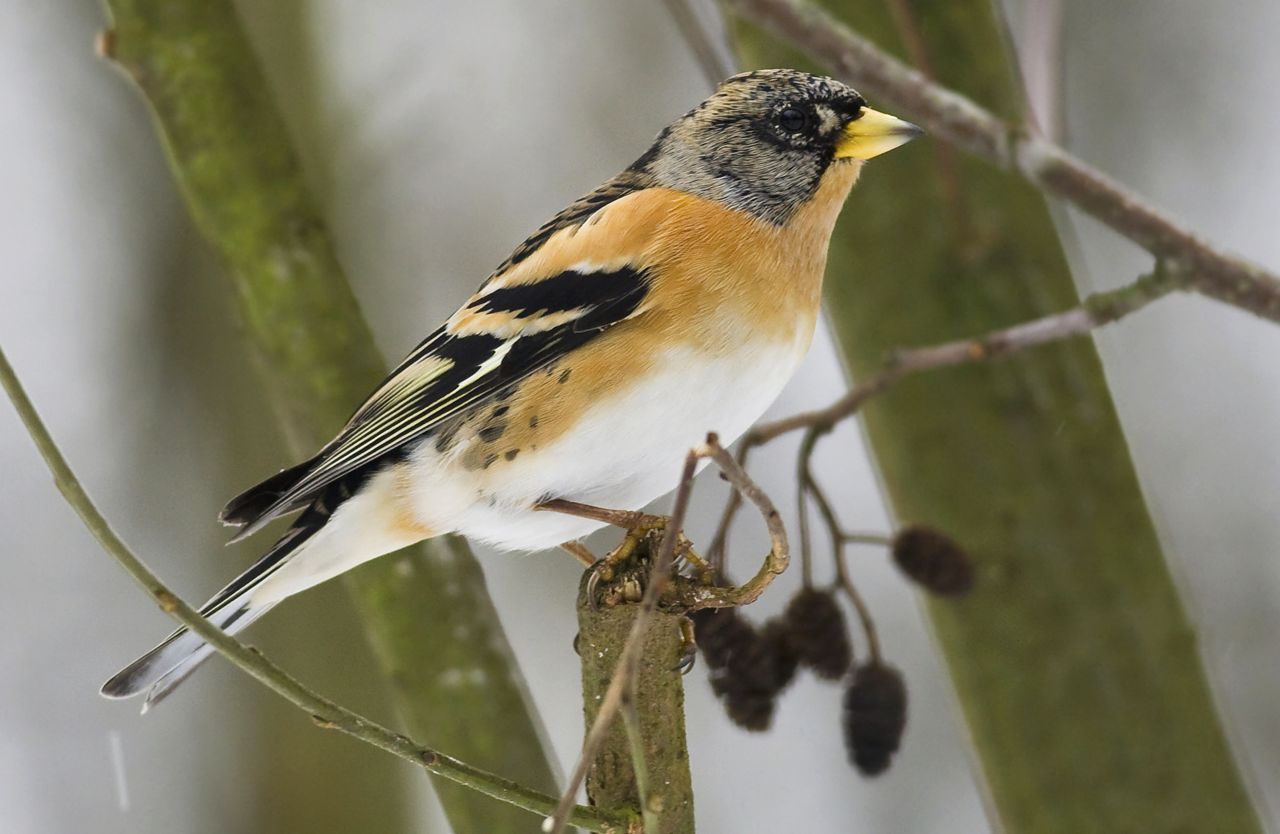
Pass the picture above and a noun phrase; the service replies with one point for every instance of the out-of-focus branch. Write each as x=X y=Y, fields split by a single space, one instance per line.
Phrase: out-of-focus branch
x=709 y=48
x=960 y=121
x=1093 y=312
x=232 y=157
x=323 y=712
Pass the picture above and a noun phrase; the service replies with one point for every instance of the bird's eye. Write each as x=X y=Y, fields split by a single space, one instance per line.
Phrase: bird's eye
x=793 y=120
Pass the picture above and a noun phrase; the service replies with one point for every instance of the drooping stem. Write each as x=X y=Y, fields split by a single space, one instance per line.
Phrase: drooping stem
x=323 y=712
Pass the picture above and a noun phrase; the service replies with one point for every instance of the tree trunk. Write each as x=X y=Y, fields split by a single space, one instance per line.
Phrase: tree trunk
x=233 y=160
x=1073 y=659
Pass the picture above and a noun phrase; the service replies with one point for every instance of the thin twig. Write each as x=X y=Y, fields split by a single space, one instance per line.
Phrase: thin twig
x=324 y=712
x=877 y=539
x=859 y=604
x=960 y=121
x=809 y=484
x=718 y=551
x=803 y=479
x=1095 y=311
x=779 y=555
x=639 y=761
x=710 y=51
x=628 y=662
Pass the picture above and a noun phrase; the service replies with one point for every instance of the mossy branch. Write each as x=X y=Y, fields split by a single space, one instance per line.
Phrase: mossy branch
x=323 y=712
x=232 y=157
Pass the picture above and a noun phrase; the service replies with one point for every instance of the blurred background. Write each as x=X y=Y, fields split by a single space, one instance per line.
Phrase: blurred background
x=118 y=320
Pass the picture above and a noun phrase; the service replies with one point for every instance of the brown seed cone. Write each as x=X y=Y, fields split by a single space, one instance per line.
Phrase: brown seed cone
x=817 y=633
x=721 y=633
x=875 y=714
x=933 y=559
x=748 y=667
x=751 y=711
x=783 y=660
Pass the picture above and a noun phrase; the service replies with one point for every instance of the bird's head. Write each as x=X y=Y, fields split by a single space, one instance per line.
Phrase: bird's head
x=763 y=141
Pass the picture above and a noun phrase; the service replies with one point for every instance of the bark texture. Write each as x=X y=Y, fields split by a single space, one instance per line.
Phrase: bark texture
x=659 y=704
x=1073 y=658
x=426 y=610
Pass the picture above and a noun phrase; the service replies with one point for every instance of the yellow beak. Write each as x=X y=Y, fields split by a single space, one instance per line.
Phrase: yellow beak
x=873 y=133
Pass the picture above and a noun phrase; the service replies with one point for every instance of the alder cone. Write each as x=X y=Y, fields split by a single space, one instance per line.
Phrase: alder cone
x=721 y=633
x=933 y=559
x=782 y=660
x=817 y=633
x=875 y=714
x=748 y=667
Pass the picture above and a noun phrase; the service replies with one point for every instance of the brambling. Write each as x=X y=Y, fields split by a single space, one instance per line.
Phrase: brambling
x=676 y=299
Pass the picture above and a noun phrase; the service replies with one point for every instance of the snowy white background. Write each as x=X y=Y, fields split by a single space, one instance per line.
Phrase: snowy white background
x=437 y=135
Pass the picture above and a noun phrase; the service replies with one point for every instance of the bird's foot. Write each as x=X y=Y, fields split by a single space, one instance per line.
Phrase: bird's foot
x=688 y=647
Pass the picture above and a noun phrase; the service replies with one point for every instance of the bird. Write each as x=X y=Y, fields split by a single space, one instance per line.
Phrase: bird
x=674 y=300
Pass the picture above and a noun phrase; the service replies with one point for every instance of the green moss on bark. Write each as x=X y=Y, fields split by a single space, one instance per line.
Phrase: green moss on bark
x=232 y=157
x=611 y=781
x=1074 y=661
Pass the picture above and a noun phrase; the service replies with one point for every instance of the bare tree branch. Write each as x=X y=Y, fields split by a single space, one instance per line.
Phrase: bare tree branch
x=1093 y=312
x=324 y=713
x=709 y=48
x=960 y=121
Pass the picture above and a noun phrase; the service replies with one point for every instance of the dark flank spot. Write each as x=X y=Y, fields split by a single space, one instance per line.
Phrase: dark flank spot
x=501 y=410
x=533 y=422
x=511 y=455
x=444 y=438
x=488 y=461
x=564 y=376
x=492 y=432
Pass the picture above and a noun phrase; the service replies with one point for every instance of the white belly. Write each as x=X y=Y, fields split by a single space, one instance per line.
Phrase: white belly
x=626 y=451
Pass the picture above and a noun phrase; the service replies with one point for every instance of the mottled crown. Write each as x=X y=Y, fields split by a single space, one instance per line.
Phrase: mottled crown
x=760 y=143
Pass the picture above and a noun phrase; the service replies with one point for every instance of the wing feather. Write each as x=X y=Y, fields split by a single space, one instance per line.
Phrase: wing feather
x=518 y=323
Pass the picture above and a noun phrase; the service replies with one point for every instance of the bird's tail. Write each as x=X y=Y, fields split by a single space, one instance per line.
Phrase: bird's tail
x=160 y=670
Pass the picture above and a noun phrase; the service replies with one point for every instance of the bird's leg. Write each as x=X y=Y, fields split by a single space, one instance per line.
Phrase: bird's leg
x=638 y=527
x=579 y=551
x=685 y=551
x=688 y=646
x=606 y=570
x=626 y=519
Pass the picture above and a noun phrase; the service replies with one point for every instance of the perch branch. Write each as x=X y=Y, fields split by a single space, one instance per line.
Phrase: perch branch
x=618 y=690
x=691 y=596
x=963 y=123
x=324 y=713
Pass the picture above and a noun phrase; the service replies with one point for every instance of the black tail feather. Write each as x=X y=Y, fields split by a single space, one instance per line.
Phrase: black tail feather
x=248 y=506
